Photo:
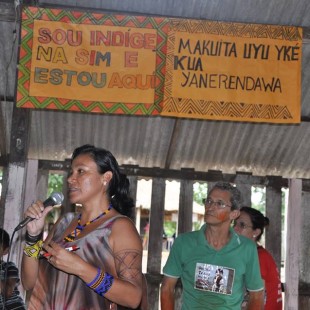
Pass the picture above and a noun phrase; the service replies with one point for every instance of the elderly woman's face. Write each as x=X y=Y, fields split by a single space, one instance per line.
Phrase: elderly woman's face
x=243 y=225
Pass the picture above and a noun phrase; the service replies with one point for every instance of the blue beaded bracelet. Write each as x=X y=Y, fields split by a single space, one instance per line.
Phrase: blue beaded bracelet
x=105 y=284
x=101 y=283
x=90 y=284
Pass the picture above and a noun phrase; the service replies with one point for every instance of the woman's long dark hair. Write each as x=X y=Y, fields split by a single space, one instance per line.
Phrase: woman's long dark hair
x=119 y=184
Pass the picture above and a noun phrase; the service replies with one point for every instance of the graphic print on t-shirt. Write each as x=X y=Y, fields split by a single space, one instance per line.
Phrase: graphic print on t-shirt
x=214 y=278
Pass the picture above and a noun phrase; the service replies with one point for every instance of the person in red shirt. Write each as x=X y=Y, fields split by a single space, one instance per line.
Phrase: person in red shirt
x=251 y=224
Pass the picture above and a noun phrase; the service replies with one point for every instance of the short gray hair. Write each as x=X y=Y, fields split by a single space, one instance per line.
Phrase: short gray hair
x=235 y=199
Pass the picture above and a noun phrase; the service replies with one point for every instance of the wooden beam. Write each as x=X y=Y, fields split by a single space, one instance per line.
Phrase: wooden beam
x=54 y=165
x=7 y=13
x=184 y=174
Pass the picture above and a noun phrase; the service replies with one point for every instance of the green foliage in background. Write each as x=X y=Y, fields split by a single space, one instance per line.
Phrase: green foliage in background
x=197 y=225
x=259 y=202
x=55 y=183
x=170 y=228
x=200 y=192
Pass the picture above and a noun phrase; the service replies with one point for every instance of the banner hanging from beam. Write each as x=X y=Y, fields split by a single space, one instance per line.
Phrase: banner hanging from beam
x=89 y=62
x=233 y=71
x=103 y=63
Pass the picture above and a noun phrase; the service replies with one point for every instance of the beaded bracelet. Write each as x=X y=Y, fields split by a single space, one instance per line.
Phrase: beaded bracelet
x=101 y=283
x=90 y=284
x=32 y=240
x=33 y=250
x=105 y=285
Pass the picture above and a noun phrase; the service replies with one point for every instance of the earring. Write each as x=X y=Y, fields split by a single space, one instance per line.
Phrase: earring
x=254 y=236
x=104 y=183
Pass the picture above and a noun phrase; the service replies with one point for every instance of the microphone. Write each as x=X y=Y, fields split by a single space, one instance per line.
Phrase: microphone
x=53 y=200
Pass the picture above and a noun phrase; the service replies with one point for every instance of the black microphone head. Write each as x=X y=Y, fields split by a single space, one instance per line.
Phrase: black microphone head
x=57 y=198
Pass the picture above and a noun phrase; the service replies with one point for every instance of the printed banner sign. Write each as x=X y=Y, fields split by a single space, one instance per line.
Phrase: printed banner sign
x=108 y=66
x=91 y=62
x=230 y=71
x=103 y=63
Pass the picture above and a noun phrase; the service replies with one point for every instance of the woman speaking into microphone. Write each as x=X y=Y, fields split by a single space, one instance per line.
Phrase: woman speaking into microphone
x=103 y=267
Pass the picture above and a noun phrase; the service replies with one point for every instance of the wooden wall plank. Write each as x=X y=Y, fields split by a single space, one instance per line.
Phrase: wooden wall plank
x=304 y=262
x=293 y=245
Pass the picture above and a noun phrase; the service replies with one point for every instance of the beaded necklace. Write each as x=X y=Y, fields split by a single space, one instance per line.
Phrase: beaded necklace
x=79 y=228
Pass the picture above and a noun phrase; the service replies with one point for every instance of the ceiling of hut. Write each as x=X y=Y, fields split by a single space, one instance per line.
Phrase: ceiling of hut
x=167 y=142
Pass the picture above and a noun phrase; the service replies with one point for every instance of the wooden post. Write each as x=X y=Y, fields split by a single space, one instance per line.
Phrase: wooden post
x=273 y=235
x=155 y=238
x=185 y=219
x=133 y=193
x=5 y=177
x=3 y=120
x=13 y=198
x=244 y=184
x=31 y=184
x=293 y=245
x=246 y=193
x=66 y=206
x=304 y=274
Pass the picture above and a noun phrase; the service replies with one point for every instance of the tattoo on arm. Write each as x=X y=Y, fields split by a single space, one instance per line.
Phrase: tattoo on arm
x=128 y=264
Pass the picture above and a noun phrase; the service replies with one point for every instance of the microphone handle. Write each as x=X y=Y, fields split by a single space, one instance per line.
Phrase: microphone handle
x=24 y=223
x=48 y=202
